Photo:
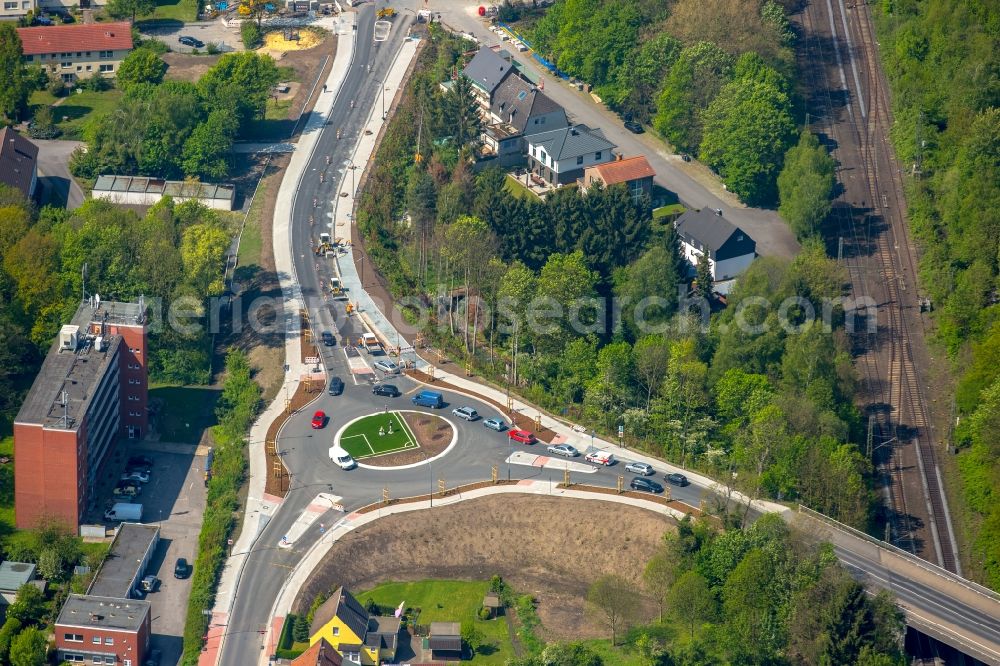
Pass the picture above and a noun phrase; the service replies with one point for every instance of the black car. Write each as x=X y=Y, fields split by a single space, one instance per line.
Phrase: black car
x=676 y=479
x=634 y=127
x=182 y=569
x=139 y=463
x=388 y=390
x=327 y=338
x=336 y=386
x=187 y=40
x=645 y=485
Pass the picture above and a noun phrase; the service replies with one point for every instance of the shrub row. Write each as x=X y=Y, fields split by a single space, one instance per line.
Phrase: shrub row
x=238 y=405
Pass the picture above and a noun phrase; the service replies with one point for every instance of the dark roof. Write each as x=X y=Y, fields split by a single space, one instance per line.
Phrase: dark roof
x=487 y=70
x=319 y=654
x=75 y=372
x=707 y=227
x=76 y=37
x=445 y=637
x=570 y=142
x=129 y=551
x=383 y=632
x=88 y=611
x=344 y=606
x=515 y=101
x=17 y=160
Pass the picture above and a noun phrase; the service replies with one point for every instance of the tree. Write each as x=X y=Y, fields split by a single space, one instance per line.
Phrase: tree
x=203 y=247
x=50 y=565
x=472 y=638
x=566 y=285
x=251 y=34
x=462 y=113
x=28 y=606
x=240 y=82
x=659 y=575
x=652 y=354
x=206 y=151
x=29 y=648
x=43 y=125
x=11 y=627
x=647 y=291
x=805 y=185
x=691 y=601
x=703 y=278
x=748 y=128
x=141 y=66
x=420 y=200
x=15 y=83
x=516 y=289
x=130 y=8
x=694 y=80
x=614 y=599
x=736 y=26
x=570 y=654
x=752 y=595
x=255 y=9
x=300 y=629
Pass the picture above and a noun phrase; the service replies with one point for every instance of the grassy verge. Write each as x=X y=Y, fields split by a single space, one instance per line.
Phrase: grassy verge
x=517 y=189
x=185 y=413
x=176 y=10
x=78 y=108
x=236 y=411
x=448 y=601
x=614 y=655
x=7 y=487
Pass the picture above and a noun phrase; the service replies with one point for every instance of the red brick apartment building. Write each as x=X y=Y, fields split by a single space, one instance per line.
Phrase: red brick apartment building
x=102 y=630
x=91 y=389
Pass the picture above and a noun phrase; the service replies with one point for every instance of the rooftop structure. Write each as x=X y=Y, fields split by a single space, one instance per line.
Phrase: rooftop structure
x=93 y=612
x=143 y=191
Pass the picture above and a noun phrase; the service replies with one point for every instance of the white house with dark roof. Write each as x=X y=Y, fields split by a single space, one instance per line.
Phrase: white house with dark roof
x=560 y=156
x=519 y=109
x=730 y=250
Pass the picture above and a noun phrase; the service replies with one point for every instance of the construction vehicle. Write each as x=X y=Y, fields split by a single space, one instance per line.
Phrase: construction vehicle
x=325 y=248
x=385 y=13
x=337 y=289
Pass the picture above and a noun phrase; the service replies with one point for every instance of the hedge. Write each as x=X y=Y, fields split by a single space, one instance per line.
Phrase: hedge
x=238 y=405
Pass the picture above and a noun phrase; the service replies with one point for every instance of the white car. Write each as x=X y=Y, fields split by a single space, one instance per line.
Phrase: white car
x=387 y=367
x=564 y=450
x=640 y=468
x=467 y=413
x=600 y=458
x=342 y=458
x=136 y=475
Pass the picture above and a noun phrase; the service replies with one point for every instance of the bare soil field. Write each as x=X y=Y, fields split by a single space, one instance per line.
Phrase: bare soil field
x=550 y=547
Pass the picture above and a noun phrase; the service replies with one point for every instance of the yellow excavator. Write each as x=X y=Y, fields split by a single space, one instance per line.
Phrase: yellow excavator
x=385 y=13
x=325 y=245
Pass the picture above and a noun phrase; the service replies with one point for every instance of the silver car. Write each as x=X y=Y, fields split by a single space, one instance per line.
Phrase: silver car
x=640 y=468
x=467 y=413
x=387 y=367
x=564 y=450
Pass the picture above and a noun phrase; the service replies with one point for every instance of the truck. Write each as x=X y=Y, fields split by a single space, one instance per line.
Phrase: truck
x=124 y=512
x=371 y=344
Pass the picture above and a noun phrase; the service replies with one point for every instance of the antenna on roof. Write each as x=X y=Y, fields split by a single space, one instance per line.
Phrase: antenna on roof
x=64 y=401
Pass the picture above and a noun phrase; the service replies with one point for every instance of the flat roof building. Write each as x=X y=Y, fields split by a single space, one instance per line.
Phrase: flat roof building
x=102 y=630
x=125 y=565
x=143 y=191
x=12 y=576
x=91 y=389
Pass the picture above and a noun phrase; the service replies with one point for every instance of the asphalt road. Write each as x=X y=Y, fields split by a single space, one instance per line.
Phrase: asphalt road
x=690 y=182
x=53 y=169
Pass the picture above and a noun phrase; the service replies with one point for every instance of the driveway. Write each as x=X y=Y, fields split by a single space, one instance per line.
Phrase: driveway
x=693 y=183
x=227 y=39
x=53 y=172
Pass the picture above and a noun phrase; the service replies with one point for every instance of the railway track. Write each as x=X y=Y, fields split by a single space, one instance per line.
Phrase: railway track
x=883 y=260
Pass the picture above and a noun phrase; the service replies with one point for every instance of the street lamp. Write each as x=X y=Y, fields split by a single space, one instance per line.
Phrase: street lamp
x=353 y=168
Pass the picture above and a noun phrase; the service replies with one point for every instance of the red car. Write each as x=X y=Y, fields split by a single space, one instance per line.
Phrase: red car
x=522 y=436
x=319 y=420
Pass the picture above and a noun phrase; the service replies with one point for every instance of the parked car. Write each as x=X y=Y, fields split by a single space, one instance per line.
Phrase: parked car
x=188 y=40
x=640 y=468
x=319 y=419
x=342 y=459
x=387 y=367
x=136 y=462
x=328 y=340
x=136 y=475
x=336 y=385
x=149 y=584
x=522 y=436
x=182 y=569
x=495 y=424
x=634 y=127
x=388 y=390
x=600 y=457
x=154 y=658
x=467 y=413
x=645 y=485
x=564 y=450
x=676 y=479
x=126 y=490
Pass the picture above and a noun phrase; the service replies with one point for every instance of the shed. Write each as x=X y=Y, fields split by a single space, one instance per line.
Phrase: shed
x=445 y=640
x=492 y=603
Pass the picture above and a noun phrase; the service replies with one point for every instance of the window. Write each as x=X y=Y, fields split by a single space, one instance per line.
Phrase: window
x=127 y=662
x=132 y=397
x=109 y=640
x=579 y=160
x=66 y=64
x=88 y=54
x=79 y=54
x=336 y=631
x=107 y=68
x=98 y=660
x=29 y=58
x=106 y=54
x=96 y=640
x=109 y=660
x=73 y=657
x=73 y=638
x=89 y=68
x=79 y=68
x=597 y=155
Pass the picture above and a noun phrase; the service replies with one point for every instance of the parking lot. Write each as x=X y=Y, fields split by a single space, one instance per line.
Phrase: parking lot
x=226 y=39
x=174 y=499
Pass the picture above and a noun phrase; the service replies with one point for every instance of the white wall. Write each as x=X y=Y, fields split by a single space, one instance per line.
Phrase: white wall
x=588 y=160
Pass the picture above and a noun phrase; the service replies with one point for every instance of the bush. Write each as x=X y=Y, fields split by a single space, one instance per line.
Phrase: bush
x=43 y=126
x=300 y=630
x=95 y=83
x=211 y=48
x=251 y=35
x=484 y=613
x=56 y=86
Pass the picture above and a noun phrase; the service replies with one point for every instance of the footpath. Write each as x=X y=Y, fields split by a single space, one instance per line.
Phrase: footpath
x=260 y=506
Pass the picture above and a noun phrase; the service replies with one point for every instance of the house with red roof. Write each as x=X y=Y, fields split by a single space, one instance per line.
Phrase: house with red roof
x=633 y=172
x=77 y=51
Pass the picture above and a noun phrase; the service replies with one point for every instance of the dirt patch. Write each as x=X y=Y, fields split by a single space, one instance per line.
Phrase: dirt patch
x=187 y=67
x=551 y=547
x=277 y=46
x=433 y=434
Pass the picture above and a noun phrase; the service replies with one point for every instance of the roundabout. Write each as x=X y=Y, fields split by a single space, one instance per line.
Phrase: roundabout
x=396 y=439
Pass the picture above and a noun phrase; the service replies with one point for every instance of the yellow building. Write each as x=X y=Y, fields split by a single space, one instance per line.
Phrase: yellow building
x=77 y=51
x=360 y=638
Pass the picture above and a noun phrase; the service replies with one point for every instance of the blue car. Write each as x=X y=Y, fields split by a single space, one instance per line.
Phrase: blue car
x=495 y=424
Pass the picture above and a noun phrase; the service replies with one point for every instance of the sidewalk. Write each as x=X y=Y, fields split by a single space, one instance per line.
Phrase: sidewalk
x=260 y=507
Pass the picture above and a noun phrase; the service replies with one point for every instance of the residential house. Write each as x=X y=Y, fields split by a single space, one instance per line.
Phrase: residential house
x=320 y=653
x=634 y=173
x=445 y=641
x=730 y=250
x=78 y=50
x=486 y=71
x=12 y=576
x=560 y=156
x=102 y=630
x=15 y=9
x=359 y=637
x=18 y=162
x=519 y=109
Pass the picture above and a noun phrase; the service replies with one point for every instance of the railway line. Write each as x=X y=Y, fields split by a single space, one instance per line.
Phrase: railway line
x=851 y=106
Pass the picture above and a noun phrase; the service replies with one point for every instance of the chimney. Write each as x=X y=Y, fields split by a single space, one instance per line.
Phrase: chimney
x=619 y=157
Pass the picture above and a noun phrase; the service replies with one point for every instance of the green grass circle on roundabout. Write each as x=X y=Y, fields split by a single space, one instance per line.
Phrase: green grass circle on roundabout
x=377 y=435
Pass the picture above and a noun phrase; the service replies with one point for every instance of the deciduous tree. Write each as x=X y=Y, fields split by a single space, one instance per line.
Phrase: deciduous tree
x=805 y=185
x=129 y=9
x=15 y=83
x=613 y=598
x=141 y=66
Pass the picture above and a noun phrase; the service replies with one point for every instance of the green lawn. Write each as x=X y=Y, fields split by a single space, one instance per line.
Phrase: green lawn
x=516 y=188
x=185 y=411
x=670 y=209
x=77 y=108
x=613 y=655
x=176 y=10
x=449 y=601
x=362 y=438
